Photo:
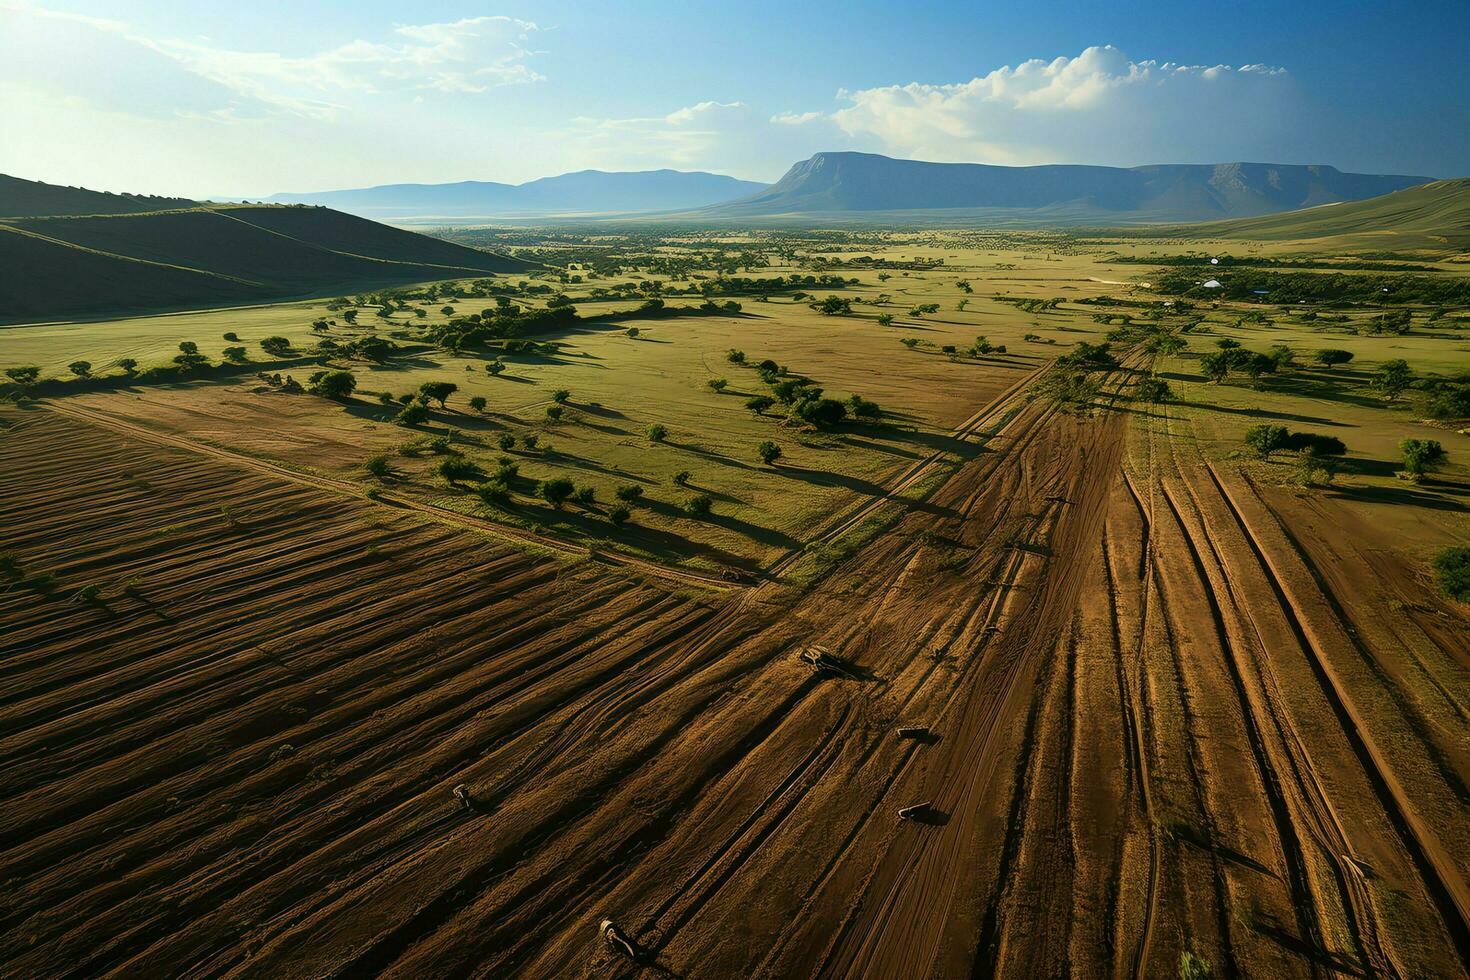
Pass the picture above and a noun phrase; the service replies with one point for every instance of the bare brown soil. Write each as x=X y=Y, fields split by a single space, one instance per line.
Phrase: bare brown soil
x=1171 y=711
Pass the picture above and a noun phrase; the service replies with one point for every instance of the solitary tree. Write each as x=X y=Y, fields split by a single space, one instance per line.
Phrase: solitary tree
x=556 y=491
x=1421 y=456
x=414 y=413
x=495 y=367
x=1332 y=357
x=333 y=384
x=1452 y=572
x=1392 y=378
x=698 y=505
x=910 y=342
x=619 y=515
x=560 y=396
x=554 y=413
x=885 y=319
x=629 y=492
x=657 y=432
x=456 y=468
x=759 y=403
x=717 y=384
x=478 y=403
x=439 y=391
x=82 y=369
x=128 y=364
x=632 y=333
x=769 y=452
x=275 y=346
x=735 y=356
x=1266 y=439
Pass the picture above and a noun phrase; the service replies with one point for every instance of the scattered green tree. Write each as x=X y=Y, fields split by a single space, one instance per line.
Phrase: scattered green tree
x=275 y=346
x=698 y=505
x=82 y=369
x=333 y=384
x=478 y=403
x=556 y=491
x=1421 y=456
x=1393 y=378
x=1332 y=357
x=769 y=452
x=658 y=432
x=1452 y=572
x=439 y=391
x=1266 y=439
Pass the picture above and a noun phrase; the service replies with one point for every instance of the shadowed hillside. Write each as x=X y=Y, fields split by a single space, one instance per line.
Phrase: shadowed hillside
x=59 y=266
x=29 y=198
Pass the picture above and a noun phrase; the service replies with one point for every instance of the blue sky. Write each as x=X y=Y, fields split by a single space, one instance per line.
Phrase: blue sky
x=248 y=99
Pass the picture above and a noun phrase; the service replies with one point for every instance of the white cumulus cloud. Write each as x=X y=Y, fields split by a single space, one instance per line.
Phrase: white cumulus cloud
x=1099 y=107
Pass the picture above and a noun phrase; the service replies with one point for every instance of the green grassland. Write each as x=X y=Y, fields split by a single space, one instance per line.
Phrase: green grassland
x=1037 y=295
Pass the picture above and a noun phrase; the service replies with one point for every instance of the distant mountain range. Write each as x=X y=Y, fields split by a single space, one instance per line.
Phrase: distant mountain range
x=869 y=188
x=861 y=183
x=67 y=252
x=586 y=192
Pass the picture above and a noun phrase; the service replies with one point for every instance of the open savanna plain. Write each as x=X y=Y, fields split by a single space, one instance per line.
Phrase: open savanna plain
x=1182 y=711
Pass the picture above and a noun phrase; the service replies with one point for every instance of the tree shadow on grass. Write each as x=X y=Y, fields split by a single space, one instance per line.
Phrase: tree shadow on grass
x=826 y=478
x=1404 y=495
x=1264 y=413
x=755 y=532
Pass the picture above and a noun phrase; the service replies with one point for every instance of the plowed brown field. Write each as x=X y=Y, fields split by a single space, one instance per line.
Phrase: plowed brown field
x=1169 y=714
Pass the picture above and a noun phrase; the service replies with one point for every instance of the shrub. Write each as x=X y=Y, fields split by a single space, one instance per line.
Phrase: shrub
x=1153 y=390
x=833 y=306
x=1313 y=469
x=1452 y=573
x=232 y=337
x=507 y=442
x=378 y=466
x=910 y=342
x=759 y=403
x=529 y=440
x=333 y=384
x=681 y=478
x=554 y=413
x=439 y=391
x=585 y=496
x=1392 y=378
x=494 y=492
x=128 y=364
x=82 y=369
x=478 y=403
x=275 y=346
x=1420 y=455
x=495 y=367
x=735 y=356
x=862 y=408
x=1266 y=439
x=768 y=451
x=560 y=396
x=885 y=319
x=632 y=333
x=698 y=505
x=657 y=432
x=821 y=412
x=556 y=491
x=23 y=375
x=629 y=492
x=456 y=468
x=236 y=354
x=717 y=384
x=414 y=413
x=1331 y=357
x=619 y=514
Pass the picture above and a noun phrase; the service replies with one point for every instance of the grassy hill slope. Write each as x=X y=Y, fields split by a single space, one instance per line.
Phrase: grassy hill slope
x=30 y=198
x=61 y=267
x=1431 y=216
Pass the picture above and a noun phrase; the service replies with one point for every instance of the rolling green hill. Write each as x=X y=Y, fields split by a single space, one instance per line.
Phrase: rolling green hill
x=66 y=266
x=1430 y=216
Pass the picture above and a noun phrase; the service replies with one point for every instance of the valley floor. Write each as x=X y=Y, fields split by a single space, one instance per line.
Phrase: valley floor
x=1168 y=719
